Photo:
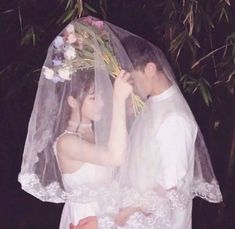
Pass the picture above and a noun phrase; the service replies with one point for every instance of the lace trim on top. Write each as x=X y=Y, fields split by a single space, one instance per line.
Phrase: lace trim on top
x=208 y=191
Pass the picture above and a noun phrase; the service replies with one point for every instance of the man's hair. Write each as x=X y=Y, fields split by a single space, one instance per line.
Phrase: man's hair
x=140 y=52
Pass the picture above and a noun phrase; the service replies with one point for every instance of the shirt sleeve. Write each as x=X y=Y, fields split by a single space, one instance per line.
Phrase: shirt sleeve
x=175 y=142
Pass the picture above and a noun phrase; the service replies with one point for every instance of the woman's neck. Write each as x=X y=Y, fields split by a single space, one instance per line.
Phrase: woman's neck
x=75 y=125
x=73 y=122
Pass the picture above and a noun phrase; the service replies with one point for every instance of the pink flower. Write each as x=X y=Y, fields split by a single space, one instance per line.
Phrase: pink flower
x=98 y=24
x=71 y=38
x=88 y=19
x=70 y=28
x=94 y=22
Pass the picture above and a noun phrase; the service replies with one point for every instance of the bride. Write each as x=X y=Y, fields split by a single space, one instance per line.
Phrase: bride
x=80 y=161
x=78 y=127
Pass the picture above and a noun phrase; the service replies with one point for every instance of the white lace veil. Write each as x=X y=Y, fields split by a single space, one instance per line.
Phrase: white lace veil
x=161 y=186
x=63 y=76
x=203 y=182
x=86 y=52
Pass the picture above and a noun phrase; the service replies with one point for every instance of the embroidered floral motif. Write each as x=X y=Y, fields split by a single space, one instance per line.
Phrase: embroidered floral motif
x=208 y=191
x=159 y=208
x=52 y=192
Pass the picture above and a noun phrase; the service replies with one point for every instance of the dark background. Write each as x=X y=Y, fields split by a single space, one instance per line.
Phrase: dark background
x=28 y=27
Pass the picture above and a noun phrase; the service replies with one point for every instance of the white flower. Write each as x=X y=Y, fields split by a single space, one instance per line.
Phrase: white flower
x=56 y=62
x=64 y=73
x=70 y=53
x=48 y=73
x=71 y=38
x=58 y=42
x=70 y=28
x=57 y=79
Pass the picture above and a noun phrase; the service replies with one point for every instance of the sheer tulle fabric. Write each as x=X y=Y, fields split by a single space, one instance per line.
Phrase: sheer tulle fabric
x=40 y=174
x=134 y=183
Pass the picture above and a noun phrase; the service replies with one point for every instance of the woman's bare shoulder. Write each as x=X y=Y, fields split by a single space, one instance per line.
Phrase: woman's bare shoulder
x=68 y=141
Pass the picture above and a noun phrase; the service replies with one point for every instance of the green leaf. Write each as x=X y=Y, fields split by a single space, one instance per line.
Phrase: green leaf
x=8 y=11
x=231 y=75
x=20 y=17
x=223 y=13
x=29 y=37
x=195 y=41
x=68 y=15
x=87 y=6
x=231 y=36
x=69 y=4
x=80 y=7
x=180 y=38
x=228 y=2
x=204 y=91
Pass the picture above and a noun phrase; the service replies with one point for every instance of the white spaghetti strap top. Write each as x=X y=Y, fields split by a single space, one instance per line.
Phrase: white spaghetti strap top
x=55 y=144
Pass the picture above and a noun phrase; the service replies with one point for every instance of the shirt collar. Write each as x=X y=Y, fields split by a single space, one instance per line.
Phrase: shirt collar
x=165 y=94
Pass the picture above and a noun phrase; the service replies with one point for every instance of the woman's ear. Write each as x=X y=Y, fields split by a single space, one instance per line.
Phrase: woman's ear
x=73 y=103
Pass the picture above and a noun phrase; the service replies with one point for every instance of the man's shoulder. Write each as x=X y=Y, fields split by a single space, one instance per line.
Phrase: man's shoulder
x=179 y=118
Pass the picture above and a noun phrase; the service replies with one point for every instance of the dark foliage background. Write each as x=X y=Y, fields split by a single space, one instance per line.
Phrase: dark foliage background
x=198 y=38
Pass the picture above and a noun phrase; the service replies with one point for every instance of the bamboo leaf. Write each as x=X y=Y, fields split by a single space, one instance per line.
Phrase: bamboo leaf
x=228 y=2
x=208 y=55
x=69 y=15
x=180 y=38
x=231 y=36
x=80 y=7
x=223 y=13
x=20 y=16
x=179 y=51
x=231 y=75
x=29 y=37
x=204 y=91
x=33 y=36
x=87 y=6
x=8 y=11
x=196 y=42
x=103 y=7
x=69 y=3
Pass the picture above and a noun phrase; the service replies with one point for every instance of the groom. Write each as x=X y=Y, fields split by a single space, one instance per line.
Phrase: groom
x=163 y=137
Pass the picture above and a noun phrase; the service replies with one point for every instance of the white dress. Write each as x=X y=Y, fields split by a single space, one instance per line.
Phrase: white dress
x=81 y=182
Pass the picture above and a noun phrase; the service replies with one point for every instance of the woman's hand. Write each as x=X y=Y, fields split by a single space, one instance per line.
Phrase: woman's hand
x=124 y=214
x=89 y=222
x=122 y=85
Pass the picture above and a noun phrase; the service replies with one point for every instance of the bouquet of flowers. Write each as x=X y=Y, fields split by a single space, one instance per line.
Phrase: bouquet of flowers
x=75 y=49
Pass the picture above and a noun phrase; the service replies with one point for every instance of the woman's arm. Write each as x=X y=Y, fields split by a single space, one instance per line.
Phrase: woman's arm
x=74 y=148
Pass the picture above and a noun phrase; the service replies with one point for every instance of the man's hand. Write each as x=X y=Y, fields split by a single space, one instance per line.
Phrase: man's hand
x=89 y=222
x=123 y=215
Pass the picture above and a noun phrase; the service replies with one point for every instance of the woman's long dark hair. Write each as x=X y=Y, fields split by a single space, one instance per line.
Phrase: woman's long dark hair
x=78 y=87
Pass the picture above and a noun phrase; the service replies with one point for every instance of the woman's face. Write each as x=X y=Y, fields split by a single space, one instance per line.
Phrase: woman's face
x=92 y=106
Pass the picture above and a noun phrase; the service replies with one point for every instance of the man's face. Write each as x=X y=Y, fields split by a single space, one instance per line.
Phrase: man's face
x=142 y=82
